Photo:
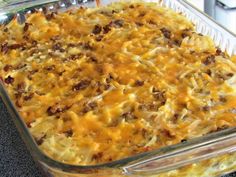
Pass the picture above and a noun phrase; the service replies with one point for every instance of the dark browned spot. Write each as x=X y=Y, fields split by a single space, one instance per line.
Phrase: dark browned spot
x=166 y=33
x=138 y=83
x=7 y=68
x=83 y=84
x=97 y=29
x=183 y=140
x=9 y=80
x=209 y=60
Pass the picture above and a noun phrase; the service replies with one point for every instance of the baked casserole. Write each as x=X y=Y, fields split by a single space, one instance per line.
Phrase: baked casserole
x=95 y=85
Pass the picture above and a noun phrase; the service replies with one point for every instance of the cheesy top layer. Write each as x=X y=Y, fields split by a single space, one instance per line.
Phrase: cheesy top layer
x=96 y=85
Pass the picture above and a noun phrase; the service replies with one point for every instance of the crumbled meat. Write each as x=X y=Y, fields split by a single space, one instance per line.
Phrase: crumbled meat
x=15 y=46
x=129 y=116
x=88 y=46
x=109 y=78
x=97 y=156
x=4 y=48
x=50 y=68
x=20 y=66
x=142 y=14
x=89 y=107
x=99 y=38
x=21 y=87
x=138 y=83
x=167 y=133
x=40 y=140
x=166 y=32
x=106 y=29
x=83 y=84
x=18 y=103
x=131 y=6
x=118 y=23
x=160 y=96
x=9 y=80
x=152 y=22
x=7 y=68
x=58 y=47
x=219 y=52
x=208 y=72
x=52 y=110
x=230 y=75
x=68 y=133
x=175 y=118
x=50 y=16
x=28 y=97
x=26 y=27
x=97 y=29
x=209 y=60
x=206 y=108
x=222 y=99
x=92 y=58
x=75 y=57
x=31 y=73
x=139 y=23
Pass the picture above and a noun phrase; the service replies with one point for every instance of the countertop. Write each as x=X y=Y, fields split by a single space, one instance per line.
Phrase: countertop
x=15 y=160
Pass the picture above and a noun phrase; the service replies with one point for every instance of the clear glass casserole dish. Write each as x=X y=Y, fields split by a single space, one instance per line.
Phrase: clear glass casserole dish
x=211 y=155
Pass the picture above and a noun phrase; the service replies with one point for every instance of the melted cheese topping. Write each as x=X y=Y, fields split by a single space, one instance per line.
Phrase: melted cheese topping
x=97 y=85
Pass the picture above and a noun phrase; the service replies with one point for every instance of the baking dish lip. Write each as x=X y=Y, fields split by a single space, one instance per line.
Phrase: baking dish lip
x=43 y=158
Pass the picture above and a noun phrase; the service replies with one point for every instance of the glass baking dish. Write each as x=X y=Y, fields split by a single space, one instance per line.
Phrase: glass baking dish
x=210 y=155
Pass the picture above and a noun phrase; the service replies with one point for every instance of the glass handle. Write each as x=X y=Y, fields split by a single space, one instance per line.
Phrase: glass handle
x=176 y=157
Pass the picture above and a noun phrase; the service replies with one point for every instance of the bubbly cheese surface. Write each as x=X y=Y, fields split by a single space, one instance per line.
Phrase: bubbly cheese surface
x=96 y=85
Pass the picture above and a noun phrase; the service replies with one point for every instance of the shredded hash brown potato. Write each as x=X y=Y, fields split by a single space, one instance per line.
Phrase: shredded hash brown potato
x=96 y=85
